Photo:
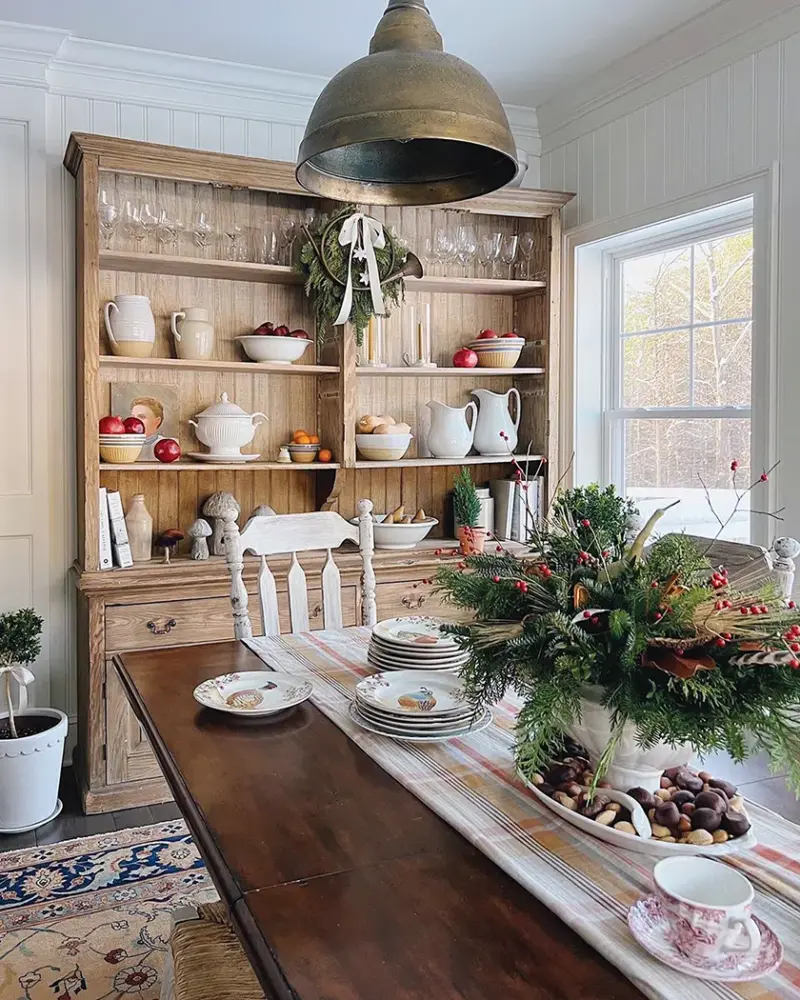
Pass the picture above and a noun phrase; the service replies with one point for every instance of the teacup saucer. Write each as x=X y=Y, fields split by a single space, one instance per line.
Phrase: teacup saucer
x=648 y=925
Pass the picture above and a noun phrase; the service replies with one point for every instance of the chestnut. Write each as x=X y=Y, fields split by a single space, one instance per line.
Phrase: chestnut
x=645 y=799
x=668 y=814
x=706 y=819
x=712 y=800
x=571 y=788
x=687 y=808
x=725 y=786
x=560 y=774
x=545 y=789
x=597 y=805
x=682 y=797
x=735 y=823
x=688 y=781
x=671 y=772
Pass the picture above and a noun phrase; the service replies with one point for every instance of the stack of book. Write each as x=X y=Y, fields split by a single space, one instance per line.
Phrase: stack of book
x=115 y=549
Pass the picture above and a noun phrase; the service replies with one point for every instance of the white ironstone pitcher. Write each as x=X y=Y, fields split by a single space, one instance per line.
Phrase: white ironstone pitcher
x=494 y=421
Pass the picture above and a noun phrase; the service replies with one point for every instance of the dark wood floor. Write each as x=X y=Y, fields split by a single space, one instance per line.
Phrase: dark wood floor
x=72 y=823
x=753 y=778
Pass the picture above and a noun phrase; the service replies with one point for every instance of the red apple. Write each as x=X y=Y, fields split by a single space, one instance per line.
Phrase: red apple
x=281 y=331
x=133 y=425
x=112 y=425
x=487 y=335
x=465 y=358
x=265 y=330
x=167 y=450
x=512 y=334
x=301 y=334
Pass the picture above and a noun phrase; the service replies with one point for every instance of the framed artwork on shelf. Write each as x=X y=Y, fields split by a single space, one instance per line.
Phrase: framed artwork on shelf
x=155 y=405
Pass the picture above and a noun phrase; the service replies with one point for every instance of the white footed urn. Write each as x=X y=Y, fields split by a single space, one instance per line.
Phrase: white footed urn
x=225 y=428
x=130 y=326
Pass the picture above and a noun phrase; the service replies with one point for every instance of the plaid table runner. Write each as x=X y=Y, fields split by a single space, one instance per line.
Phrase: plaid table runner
x=590 y=885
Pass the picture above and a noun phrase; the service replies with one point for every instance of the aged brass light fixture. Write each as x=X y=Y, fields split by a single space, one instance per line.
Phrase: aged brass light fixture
x=408 y=124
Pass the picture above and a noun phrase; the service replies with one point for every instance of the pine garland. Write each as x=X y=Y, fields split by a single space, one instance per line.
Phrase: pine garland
x=585 y=611
x=328 y=294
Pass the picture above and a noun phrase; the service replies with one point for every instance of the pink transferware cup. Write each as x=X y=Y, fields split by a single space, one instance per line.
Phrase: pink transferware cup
x=708 y=907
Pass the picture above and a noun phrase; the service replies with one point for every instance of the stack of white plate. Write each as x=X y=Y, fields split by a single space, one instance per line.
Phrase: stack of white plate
x=414 y=643
x=416 y=706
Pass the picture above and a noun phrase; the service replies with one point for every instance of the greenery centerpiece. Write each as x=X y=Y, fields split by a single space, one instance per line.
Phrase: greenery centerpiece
x=659 y=638
x=334 y=267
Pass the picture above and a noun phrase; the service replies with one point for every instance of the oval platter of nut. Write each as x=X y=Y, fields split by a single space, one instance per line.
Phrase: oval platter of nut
x=692 y=812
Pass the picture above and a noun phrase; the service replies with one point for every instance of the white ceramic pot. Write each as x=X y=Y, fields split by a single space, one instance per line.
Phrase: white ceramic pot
x=494 y=420
x=631 y=767
x=193 y=333
x=450 y=434
x=30 y=769
x=225 y=428
x=130 y=326
x=276 y=350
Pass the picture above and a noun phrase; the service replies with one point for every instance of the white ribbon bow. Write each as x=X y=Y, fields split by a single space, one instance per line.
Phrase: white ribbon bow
x=23 y=677
x=363 y=235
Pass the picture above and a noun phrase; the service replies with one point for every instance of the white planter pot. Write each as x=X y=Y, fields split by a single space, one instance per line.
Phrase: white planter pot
x=30 y=769
x=631 y=767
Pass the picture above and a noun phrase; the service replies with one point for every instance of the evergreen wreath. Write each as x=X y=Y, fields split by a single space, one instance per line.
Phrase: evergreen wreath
x=677 y=651
x=324 y=262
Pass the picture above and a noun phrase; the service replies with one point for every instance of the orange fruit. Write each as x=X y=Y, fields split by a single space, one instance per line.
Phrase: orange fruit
x=313 y=438
x=301 y=437
x=324 y=455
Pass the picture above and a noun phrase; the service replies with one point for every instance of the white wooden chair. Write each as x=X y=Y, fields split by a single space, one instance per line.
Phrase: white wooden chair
x=280 y=534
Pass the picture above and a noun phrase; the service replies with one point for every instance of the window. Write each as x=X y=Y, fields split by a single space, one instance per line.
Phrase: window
x=680 y=365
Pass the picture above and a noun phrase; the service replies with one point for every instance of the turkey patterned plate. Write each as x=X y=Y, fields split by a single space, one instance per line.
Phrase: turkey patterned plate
x=252 y=693
x=422 y=737
x=420 y=631
x=413 y=693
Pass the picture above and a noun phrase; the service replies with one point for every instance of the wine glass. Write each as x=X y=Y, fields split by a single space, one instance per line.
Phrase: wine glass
x=132 y=223
x=466 y=246
x=108 y=214
x=508 y=254
x=269 y=245
x=202 y=232
x=489 y=251
x=527 y=244
x=445 y=246
x=150 y=221
x=234 y=234
x=168 y=232
x=288 y=230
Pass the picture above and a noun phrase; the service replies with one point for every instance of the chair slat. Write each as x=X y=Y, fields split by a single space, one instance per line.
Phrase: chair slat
x=331 y=594
x=268 y=596
x=298 y=596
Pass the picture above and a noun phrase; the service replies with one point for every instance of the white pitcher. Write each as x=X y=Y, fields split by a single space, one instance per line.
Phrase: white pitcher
x=132 y=331
x=494 y=420
x=193 y=333
x=450 y=435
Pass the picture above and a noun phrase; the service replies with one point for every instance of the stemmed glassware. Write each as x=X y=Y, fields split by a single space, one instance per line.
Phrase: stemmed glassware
x=527 y=244
x=132 y=223
x=508 y=255
x=109 y=218
x=466 y=245
x=289 y=231
x=489 y=251
x=202 y=232
x=168 y=231
x=235 y=246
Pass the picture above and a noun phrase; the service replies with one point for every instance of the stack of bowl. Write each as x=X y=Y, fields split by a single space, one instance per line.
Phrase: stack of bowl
x=122 y=449
x=304 y=453
x=498 y=352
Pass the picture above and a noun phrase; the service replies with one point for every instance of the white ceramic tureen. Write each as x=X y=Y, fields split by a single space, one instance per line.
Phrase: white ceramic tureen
x=225 y=428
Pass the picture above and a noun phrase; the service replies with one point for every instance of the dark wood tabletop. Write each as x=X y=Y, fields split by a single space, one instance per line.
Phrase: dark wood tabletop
x=341 y=884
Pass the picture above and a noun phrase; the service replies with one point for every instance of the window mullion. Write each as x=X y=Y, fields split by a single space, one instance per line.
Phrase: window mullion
x=691 y=326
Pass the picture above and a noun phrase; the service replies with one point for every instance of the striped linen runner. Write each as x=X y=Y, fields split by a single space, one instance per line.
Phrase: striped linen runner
x=471 y=784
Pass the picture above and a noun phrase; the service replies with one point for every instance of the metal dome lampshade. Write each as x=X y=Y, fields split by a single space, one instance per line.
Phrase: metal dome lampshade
x=408 y=124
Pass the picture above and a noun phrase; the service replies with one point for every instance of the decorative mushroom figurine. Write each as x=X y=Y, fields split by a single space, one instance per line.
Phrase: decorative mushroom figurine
x=215 y=507
x=263 y=510
x=198 y=533
x=168 y=540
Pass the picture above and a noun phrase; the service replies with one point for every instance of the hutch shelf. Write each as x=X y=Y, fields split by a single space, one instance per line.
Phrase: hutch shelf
x=152 y=604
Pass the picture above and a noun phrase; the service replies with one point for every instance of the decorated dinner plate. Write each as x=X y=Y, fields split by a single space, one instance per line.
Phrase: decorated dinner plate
x=379 y=663
x=411 y=662
x=252 y=693
x=436 y=652
x=418 y=631
x=371 y=727
x=426 y=722
x=413 y=692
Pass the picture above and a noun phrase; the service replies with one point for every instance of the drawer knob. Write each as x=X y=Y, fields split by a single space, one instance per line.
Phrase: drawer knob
x=163 y=627
x=412 y=603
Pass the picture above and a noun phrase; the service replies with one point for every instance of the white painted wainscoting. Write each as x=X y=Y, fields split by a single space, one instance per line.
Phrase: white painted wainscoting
x=668 y=126
x=50 y=85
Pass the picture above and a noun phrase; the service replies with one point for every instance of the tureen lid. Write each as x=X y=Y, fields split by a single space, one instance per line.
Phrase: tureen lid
x=224 y=408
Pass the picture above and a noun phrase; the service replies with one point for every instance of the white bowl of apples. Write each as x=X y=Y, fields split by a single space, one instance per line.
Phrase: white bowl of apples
x=277 y=345
x=121 y=441
x=497 y=350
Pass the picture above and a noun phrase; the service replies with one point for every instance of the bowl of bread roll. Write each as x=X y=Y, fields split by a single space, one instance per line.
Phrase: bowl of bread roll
x=381 y=439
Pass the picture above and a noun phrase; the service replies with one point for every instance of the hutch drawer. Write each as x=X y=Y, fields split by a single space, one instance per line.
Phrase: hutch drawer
x=411 y=597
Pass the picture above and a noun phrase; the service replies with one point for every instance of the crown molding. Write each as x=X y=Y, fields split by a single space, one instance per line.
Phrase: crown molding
x=727 y=32
x=79 y=67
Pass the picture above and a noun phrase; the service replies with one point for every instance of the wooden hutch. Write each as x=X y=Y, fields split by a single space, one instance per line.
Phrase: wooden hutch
x=151 y=605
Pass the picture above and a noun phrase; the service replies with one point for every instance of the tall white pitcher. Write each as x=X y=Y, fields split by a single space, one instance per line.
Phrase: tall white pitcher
x=450 y=435
x=132 y=330
x=494 y=421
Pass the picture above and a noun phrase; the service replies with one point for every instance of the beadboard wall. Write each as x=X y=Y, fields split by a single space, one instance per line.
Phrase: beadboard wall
x=643 y=137
x=50 y=85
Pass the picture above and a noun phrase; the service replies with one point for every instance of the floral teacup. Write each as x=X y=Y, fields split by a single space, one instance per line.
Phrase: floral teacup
x=708 y=908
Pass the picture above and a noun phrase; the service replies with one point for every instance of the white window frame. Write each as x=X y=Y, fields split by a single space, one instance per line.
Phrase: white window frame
x=697 y=229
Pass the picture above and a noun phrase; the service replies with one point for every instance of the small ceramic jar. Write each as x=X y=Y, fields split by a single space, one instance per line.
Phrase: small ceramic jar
x=225 y=428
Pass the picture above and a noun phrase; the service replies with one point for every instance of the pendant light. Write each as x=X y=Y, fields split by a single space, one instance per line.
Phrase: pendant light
x=408 y=124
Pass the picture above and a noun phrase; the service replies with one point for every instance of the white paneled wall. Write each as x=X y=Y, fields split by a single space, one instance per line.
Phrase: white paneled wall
x=669 y=143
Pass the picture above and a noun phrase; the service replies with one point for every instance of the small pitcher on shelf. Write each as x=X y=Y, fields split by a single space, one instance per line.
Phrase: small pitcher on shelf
x=495 y=430
x=193 y=333
x=451 y=434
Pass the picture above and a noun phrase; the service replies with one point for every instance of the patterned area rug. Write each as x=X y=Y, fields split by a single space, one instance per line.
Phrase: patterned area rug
x=89 y=919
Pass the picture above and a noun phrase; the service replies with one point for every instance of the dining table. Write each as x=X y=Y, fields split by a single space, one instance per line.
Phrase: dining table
x=340 y=883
